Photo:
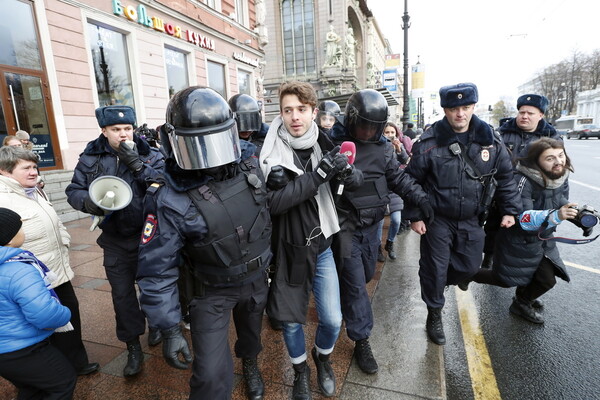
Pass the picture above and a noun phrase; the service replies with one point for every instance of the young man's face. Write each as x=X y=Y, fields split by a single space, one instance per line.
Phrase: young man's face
x=528 y=118
x=326 y=121
x=552 y=163
x=116 y=134
x=25 y=172
x=297 y=116
x=460 y=117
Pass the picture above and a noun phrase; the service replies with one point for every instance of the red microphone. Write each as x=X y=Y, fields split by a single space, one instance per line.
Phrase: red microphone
x=349 y=150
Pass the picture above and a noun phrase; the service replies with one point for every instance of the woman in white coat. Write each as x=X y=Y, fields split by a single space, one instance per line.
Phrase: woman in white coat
x=47 y=238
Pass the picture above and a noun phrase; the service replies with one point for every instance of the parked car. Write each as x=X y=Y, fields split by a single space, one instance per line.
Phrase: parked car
x=586 y=131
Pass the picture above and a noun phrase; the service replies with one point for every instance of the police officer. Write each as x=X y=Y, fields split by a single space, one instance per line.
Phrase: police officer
x=454 y=161
x=529 y=125
x=110 y=155
x=213 y=213
x=248 y=118
x=328 y=114
x=361 y=210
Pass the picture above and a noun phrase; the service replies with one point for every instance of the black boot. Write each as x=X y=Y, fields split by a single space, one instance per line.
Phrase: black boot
x=275 y=325
x=488 y=260
x=389 y=247
x=435 y=328
x=134 y=358
x=525 y=310
x=364 y=357
x=325 y=375
x=254 y=382
x=301 y=390
x=154 y=336
x=380 y=255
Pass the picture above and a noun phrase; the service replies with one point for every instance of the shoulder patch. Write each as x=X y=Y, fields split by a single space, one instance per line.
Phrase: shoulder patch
x=149 y=228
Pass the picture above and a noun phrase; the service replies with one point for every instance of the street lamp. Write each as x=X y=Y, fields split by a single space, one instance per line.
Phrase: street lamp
x=405 y=100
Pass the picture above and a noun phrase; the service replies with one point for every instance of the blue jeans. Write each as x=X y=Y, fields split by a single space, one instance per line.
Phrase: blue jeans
x=326 y=290
x=395 y=220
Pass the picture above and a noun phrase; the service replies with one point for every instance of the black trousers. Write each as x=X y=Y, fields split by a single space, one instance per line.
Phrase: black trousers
x=121 y=263
x=39 y=371
x=70 y=343
x=212 y=371
x=542 y=281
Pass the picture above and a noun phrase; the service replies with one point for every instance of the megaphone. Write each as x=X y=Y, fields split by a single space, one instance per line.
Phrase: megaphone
x=110 y=193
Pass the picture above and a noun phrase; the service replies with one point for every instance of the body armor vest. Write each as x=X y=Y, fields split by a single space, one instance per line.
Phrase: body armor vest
x=374 y=192
x=238 y=242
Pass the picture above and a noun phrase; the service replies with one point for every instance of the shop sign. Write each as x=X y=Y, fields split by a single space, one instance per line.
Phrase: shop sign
x=243 y=58
x=140 y=15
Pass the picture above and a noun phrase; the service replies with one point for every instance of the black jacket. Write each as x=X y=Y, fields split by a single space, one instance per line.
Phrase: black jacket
x=453 y=193
x=516 y=140
x=518 y=252
x=99 y=159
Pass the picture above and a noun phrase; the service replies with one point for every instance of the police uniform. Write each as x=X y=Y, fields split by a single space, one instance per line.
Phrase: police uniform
x=216 y=221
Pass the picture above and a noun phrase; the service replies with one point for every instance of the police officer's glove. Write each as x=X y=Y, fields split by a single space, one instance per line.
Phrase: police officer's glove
x=173 y=344
x=277 y=178
x=587 y=230
x=331 y=165
x=427 y=212
x=91 y=207
x=130 y=157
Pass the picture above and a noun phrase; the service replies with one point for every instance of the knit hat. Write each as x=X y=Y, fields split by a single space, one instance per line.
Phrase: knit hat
x=115 y=115
x=22 y=135
x=10 y=222
x=535 y=100
x=461 y=94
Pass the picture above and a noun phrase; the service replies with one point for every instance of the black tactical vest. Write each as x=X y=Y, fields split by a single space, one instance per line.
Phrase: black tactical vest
x=238 y=242
x=374 y=192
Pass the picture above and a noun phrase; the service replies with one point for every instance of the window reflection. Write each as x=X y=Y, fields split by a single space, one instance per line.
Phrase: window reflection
x=216 y=78
x=244 y=82
x=177 y=72
x=109 y=55
x=18 y=36
x=298 y=36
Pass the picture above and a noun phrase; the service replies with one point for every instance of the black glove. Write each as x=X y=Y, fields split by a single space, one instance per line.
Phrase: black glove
x=277 y=178
x=587 y=230
x=130 y=157
x=173 y=344
x=91 y=207
x=427 y=212
x=331 y=164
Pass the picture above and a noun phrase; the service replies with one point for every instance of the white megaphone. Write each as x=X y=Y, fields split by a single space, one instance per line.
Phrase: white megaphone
x=110 y=193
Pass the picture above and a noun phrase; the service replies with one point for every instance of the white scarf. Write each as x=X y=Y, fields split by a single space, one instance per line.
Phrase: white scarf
x=277 y=150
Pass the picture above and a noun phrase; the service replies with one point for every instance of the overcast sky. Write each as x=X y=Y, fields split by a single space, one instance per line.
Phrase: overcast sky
x=498 y=45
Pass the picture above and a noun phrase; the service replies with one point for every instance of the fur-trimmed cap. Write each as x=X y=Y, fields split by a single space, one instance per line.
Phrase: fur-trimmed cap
x=115 y=115
x=461 y=94
x=535 y=100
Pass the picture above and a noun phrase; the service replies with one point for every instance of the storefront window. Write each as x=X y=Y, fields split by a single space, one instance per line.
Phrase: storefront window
x=113 y=77
x=18 y=36
x=244 y=82
x=216 y=77
x=177 y=72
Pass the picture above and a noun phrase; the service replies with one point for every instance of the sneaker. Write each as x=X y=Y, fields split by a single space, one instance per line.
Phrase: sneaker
x=525 y=310
x=325 y=375
x=364 y=357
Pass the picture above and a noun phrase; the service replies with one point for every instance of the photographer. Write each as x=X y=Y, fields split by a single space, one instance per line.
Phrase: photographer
x=524 y=257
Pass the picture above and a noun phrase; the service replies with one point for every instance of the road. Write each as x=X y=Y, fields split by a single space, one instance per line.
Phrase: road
x=510 y=358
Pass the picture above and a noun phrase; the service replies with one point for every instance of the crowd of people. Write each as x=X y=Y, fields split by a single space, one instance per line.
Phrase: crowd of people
x=231 y=217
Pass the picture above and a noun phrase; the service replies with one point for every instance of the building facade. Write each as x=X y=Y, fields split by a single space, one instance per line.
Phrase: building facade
x=335 y=45
x=61 y=59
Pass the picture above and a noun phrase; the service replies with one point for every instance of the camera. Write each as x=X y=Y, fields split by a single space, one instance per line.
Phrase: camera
x=587 y=216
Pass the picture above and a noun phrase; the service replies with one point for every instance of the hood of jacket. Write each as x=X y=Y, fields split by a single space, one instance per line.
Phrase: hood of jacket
x=182 y=180
x=8 y=252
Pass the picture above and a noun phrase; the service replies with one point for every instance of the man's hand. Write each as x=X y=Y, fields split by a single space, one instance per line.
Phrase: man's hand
x=277 y=178
x=331 y=164
x=427 y=211
x=568 y=211
x=130 y=157
x=507 y=221
x=173 y=344
x=419 y=227
x=91 y=207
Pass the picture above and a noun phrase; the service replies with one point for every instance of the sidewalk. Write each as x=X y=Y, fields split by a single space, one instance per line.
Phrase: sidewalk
x=409 y=366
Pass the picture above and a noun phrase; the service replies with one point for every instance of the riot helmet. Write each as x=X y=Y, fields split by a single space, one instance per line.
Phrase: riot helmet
x=366 y=115
x=200 y=129
x=246 y=112
x=329 y=112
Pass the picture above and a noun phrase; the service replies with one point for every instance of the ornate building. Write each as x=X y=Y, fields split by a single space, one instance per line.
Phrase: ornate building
x=335 y=45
